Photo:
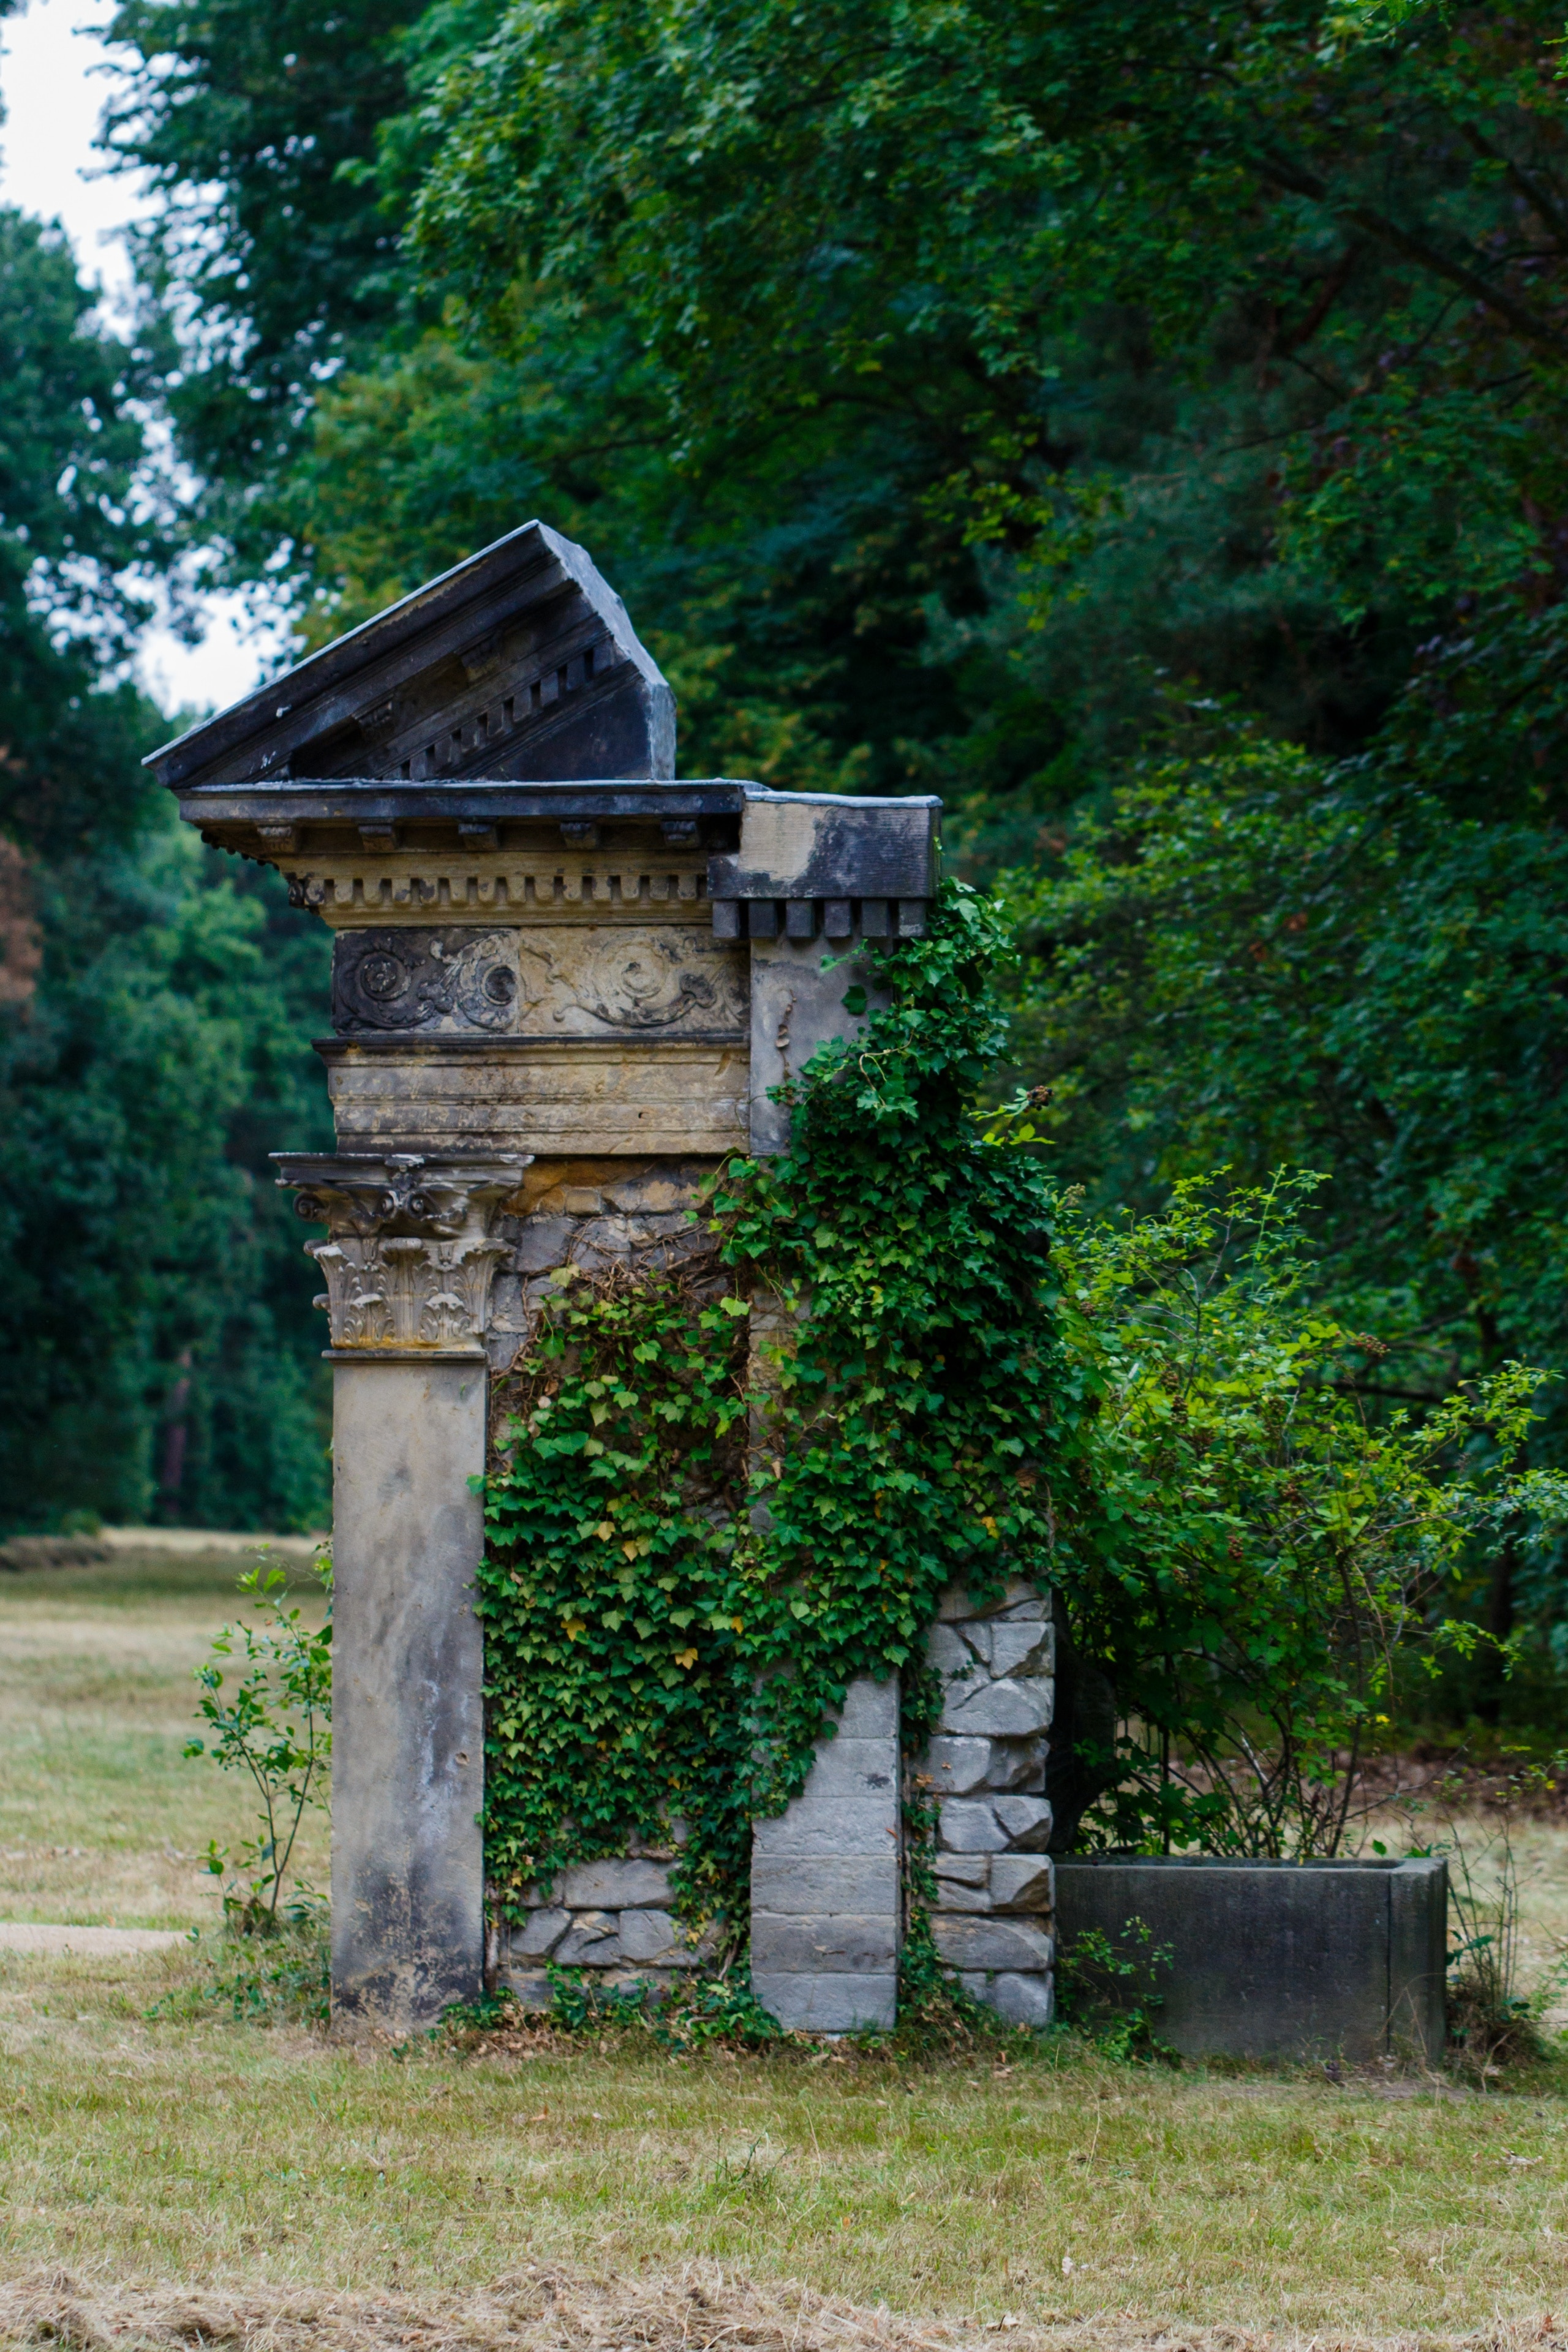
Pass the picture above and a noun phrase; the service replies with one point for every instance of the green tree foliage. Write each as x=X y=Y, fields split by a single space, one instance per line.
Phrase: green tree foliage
x=955 y=389
x=948 y=367
x=74 y=527
x=935 y=376
x=156 y=1338
x=1257 y=958
x=154 y=1311
x=1211 y=311
x=276 y=261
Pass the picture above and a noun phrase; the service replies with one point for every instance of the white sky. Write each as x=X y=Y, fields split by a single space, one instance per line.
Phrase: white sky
x=52 y=99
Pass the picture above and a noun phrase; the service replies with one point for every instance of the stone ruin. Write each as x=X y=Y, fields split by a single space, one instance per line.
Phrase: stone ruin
x=563 y=982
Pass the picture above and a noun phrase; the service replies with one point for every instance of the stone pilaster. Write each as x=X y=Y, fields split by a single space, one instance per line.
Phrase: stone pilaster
x=826 y=1905
x=411 y=1252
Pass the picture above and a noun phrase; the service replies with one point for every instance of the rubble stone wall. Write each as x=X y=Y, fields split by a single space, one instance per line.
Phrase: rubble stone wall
x=985 y=1766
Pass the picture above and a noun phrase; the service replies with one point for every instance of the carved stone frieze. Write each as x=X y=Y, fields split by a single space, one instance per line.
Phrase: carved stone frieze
x=412 y=1246
x=654 y=979
x=586 y=983
x=416 y=980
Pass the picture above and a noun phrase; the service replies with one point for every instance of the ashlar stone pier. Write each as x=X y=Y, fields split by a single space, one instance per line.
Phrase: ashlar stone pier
x=563 y=982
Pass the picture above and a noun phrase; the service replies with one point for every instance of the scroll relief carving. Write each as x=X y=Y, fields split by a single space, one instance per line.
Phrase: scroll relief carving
x=661 y=979
x=411 y=1253
x=418 y=979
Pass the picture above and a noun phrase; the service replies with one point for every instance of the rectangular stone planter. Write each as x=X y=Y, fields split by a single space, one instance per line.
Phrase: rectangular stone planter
x=1276 y=1959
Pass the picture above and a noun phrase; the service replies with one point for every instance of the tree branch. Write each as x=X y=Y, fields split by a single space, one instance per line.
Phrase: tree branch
x=1535 y=197
x=1299 y=181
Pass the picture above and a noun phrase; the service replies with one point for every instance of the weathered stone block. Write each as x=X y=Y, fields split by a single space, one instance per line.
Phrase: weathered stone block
x=960 y=1895
x=1018 y=1599
x=871 y=1710
x=1005 y=1710
x=948 y=1653
x=542 y=1932
x=853 y=1768
x=991 y=1943
x=829 y=2004
x=613 y=1886
x=839 y=1825
x=591 y=1942
x=1016 y=1764
x=544 y=1243
x=966 y=1825
x=531 y=1987
x=651 y=1192
x=1018 y=1999
x=1016 y=1646
x=796 y=1006
x=955 y=1766
x=1021 y=1881
x=834 y=1944
x=1276 y=1959
x=816 y=1885
x=1027 y=1820
x=965 y=1869
x=507 y=1312
x=650 y=1936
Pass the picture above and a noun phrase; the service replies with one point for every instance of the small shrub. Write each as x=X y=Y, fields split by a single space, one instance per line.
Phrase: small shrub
x=275 y=1723
x=285 y=1983
x=699 y=2010
x=1495 y=2021
x=1107 y=1992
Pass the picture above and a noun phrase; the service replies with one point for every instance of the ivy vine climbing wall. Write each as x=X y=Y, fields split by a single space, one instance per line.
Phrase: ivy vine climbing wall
x=700 y=1532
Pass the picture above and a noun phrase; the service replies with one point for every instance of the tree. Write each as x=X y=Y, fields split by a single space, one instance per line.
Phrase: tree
x=963 y=388
x=149 y=1047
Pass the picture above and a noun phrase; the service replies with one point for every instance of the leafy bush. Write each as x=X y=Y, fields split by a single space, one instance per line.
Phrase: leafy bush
x=1108 y=1989
x=1248 y=1550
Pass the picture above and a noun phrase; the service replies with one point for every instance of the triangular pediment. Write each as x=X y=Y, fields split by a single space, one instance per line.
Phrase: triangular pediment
x=519 y=664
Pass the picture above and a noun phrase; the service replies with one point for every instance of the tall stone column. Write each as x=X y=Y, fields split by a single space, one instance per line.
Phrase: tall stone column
x=409 y=1259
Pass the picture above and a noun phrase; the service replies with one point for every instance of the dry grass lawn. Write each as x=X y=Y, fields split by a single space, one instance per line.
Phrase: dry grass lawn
x=164 y=2182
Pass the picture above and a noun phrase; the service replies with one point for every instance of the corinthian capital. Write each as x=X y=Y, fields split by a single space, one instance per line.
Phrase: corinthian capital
x=411 y=1245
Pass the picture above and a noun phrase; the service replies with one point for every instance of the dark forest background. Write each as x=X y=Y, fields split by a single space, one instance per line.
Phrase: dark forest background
x=1142 y=424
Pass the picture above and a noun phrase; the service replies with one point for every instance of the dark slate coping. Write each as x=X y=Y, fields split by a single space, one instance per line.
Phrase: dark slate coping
x=359 y=799
x=369 y=800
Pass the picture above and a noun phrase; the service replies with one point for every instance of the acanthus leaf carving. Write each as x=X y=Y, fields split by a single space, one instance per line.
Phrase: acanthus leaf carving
x=411 y=1249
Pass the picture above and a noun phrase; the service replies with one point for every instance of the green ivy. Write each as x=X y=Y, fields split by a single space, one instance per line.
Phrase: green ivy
x=703 y=1532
